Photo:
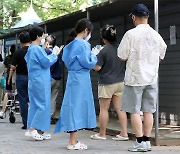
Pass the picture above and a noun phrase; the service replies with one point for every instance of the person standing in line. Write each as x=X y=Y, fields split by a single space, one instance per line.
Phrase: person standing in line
x=143 y=48
x=39 y=86
x=50 y=43
x=18 y=64
x=77 y=110
x=10 y=87
x=7 y=64
x=1 y=75
x=111 y=71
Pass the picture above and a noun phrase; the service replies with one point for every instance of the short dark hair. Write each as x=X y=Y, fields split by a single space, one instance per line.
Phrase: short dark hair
x=51 y=40
x=108 y=32
x=35 y=32
x=12 y=48
x=82 y=24
x=24 y=37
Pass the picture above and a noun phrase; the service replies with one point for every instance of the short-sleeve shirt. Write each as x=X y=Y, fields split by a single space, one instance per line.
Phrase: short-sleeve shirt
x=113 y=69
x=19 y=61
x=142 y=47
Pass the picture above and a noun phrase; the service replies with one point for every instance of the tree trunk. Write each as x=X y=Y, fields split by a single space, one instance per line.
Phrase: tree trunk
x=1 y=15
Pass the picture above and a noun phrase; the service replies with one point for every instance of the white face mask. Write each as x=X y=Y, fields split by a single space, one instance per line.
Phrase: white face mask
x=88 y=37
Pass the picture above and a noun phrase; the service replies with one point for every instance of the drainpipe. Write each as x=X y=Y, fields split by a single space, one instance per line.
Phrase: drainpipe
x=16 y=41
x=88 y=15
x=156 y=19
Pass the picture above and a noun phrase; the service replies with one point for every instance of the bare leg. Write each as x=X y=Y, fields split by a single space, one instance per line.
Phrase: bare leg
x=137 y=124
x=148 y=123
x=121 y=115
x=5 y=101
x=73 y=138
x=103 y=115
x=31 y=129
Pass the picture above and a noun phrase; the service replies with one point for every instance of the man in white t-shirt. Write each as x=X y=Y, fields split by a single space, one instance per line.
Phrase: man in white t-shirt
x=143 y=48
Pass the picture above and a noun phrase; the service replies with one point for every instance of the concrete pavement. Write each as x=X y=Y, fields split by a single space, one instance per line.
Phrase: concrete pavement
x=13 y=141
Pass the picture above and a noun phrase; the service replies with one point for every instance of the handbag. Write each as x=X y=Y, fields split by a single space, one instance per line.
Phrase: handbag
x=3 y=82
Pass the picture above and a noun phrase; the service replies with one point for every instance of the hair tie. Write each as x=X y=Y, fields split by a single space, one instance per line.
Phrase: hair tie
x=113 y=31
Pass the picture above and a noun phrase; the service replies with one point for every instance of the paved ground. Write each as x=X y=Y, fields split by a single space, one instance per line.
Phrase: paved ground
x=169 y=135
x=13 y=141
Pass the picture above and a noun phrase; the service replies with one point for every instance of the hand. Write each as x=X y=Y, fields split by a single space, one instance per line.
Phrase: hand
x=95 y=51
x=57 y=50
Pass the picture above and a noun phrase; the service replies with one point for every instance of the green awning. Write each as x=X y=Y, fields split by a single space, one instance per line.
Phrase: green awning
x=6 y=31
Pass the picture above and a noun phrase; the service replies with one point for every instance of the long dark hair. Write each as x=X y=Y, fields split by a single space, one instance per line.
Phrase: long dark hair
x=109 y=33
x=80 y=26
x=72 y=35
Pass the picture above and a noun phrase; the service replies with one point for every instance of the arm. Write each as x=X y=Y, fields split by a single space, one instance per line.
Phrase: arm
x=87 y=59
x=12 y=69
x=124 y=48
x=14 y=63
x=97 y=68
x=163 y=48
x=101 y=59
x=46 y=60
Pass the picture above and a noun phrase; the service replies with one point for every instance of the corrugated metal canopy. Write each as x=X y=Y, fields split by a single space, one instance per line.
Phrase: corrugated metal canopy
x=123 y=7
x=112 y=8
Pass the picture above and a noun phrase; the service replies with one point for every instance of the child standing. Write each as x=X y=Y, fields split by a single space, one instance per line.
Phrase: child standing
x=50 y=45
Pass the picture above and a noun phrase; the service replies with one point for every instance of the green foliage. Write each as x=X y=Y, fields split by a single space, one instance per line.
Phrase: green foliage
x=46 y=9
x=95 y=2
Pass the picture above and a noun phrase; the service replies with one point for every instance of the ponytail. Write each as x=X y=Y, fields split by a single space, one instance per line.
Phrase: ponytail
x=72 y=35
x=80 y=26
x=109 y=33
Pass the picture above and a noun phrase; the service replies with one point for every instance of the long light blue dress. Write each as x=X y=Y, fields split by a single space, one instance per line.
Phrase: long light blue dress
x=77 y=110
x=39 y=87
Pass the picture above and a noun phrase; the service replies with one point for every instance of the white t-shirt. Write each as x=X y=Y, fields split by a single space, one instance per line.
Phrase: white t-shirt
x=143 y=48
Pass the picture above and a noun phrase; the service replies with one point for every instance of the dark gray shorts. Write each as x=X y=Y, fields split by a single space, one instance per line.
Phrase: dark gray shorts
x=139 y=98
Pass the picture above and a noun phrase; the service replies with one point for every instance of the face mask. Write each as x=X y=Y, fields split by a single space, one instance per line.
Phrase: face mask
x=88 y=37
x=42 y=43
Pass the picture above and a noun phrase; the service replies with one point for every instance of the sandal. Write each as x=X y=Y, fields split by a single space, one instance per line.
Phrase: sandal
x=77 y=146
x=120 y=138
x=46 y=136
x=34 y=134
x=97 y=137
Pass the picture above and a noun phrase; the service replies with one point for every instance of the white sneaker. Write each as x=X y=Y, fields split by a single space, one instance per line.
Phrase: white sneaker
x=148 y=145
x=138 y=147
x=2 y=115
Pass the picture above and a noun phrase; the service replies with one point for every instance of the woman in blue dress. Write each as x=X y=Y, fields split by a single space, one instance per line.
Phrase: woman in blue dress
x=77 y=111
x=39 y=86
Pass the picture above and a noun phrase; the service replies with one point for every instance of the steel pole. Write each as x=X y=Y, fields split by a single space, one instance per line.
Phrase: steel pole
x=16 y=41
x=156 y=18
x=88 y=15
